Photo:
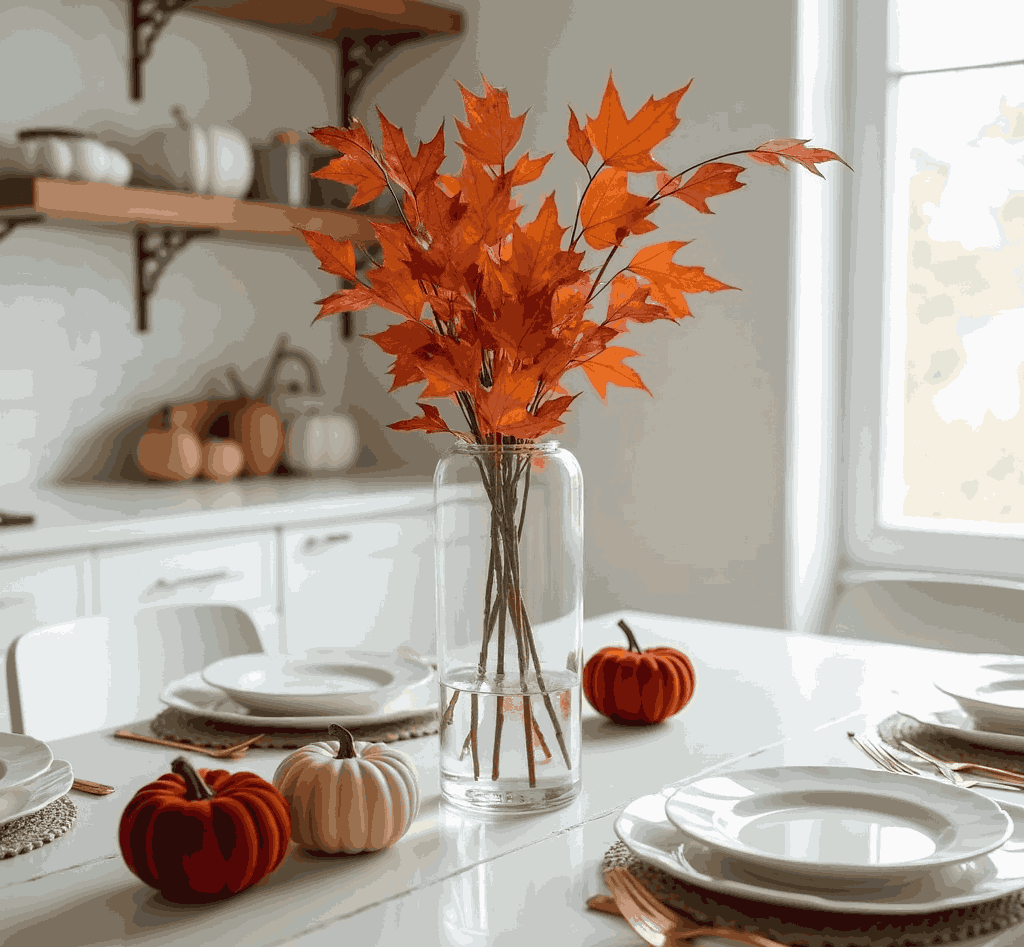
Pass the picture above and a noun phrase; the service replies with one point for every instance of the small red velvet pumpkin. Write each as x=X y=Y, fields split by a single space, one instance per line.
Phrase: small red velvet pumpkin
x=637 y=687
x=203 y=836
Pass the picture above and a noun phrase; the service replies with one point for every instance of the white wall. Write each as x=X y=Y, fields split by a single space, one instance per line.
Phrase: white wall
x=685 y=490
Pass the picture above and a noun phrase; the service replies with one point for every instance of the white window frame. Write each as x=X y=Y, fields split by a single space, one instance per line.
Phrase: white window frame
x=875 y=550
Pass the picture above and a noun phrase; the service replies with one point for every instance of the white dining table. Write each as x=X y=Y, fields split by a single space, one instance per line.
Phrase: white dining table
x=764 y=697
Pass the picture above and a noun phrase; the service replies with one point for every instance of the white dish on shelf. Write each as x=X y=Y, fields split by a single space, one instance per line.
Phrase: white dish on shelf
x=838 y=822
x=646 y=831
x=317 y=682
x=194 y=696
x=34 y=794
x=21 y=758
x=992 y=694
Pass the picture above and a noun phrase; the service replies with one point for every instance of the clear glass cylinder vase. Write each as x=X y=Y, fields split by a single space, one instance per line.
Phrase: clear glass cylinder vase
x=509 y=560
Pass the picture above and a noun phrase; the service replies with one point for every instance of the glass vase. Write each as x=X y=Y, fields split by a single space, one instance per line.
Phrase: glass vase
x=509 y=560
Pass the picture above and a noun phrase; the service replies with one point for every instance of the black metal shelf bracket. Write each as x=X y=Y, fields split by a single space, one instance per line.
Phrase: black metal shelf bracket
x=155 y=247
x=361 y=52
x=7 y=224
x=149 y=17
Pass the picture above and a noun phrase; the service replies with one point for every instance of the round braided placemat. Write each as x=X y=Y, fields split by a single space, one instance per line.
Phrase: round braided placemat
x=945 y=746
x=173 y=724
x=801 y=927
x=34 y=831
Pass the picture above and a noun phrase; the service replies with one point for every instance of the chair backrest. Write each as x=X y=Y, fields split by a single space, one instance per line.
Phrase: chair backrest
x=92 y=673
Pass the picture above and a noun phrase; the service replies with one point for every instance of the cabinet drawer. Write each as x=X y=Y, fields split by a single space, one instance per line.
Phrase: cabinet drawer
x=211 y=572
x=367 y=584
x=38 y=592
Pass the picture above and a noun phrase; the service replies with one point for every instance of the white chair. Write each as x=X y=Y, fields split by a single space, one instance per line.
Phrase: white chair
x=92 y=673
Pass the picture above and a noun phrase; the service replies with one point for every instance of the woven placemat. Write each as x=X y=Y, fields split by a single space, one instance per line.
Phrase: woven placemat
x=173 y=724
x=34 y=831
x=801 y=927
x=945 y=746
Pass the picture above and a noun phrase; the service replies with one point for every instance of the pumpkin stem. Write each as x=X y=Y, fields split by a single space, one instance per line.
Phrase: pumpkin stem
x=633 y=646
x=195 y=787
x=346 y=742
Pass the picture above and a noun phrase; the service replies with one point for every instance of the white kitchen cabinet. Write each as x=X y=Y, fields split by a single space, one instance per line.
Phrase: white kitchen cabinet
x=34 y=592
x=366 y=583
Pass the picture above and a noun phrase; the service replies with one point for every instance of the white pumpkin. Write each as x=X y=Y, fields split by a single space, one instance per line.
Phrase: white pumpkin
x=348 y=797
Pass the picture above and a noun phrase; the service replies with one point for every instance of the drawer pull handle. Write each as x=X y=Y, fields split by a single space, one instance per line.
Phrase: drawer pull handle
x=205 y=578
x=312 y=544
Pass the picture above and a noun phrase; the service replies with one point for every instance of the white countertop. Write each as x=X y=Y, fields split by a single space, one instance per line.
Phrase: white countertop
x=77 y=518
x=457 y=878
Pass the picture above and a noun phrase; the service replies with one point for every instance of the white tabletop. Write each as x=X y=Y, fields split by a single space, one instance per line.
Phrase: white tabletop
x=460 y=879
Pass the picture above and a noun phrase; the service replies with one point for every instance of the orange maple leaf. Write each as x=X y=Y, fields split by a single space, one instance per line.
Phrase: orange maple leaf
x=626 y=143
x=412 y=174
x=669 y=281
x=337 y=257
x=710 y=180
x=357 y=167
x=578 y=142
x=403 y=338
x=529 y=169
x=430 y=421
x=793 y=149
x=606 y=368
x=347 y=300
x=627 y=300
x=490 y=132
x=609 y=213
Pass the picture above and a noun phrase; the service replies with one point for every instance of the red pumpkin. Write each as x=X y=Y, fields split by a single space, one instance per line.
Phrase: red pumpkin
x=203 y=836
x=637 y=687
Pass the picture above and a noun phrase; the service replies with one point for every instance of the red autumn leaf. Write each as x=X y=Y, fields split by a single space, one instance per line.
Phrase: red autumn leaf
x=529 y=169
x=412 y=174
x=489 y=214
x=626 y=143
x=793 y=149
x=357 y=166
x=606 y=368
x=578 y=142
x=337 y=257
x=592 y=340
x=609 y=213
x=430 y=421
x=669 y=281
x=405 y=370
x=627 y=300
x=490 y=132
x=709 y=180
x=347 y=300
x=536 y=262
x=554 y=409
x=403 y=338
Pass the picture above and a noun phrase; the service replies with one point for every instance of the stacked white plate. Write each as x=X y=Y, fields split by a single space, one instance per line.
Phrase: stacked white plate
x=30 y=778
x=832 y=838
x=309 y=690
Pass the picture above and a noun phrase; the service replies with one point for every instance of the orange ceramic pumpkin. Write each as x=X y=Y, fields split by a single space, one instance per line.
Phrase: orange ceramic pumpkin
x=203 y=836
x=637 y=687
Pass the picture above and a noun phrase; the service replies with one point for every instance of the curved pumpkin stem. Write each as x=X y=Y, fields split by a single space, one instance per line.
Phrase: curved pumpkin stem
x=346 y=742
x=633 y=646
x=195 y=787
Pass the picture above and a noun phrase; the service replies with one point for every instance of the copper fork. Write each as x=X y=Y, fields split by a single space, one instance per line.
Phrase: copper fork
x=659 y=925
x=235 y=752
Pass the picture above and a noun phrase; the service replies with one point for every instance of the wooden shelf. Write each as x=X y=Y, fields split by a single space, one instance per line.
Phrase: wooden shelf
x=326 y=19
x=110 y=205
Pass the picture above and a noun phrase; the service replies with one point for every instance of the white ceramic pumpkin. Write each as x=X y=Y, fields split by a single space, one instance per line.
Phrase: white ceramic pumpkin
x=348 y=797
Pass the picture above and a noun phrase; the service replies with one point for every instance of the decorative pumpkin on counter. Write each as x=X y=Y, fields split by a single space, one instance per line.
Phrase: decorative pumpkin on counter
x=223 y=459
x=638 y=687
x=349 y=797
x=170 y=450
x=199 y=837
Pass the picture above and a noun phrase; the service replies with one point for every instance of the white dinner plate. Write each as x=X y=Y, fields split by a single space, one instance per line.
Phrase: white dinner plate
x=991 y=694
x=194 y=696
x=21 y=758
x=839 y=822
x=318 y=682
x=955 y=723
x=645 y=829
x=34 y=794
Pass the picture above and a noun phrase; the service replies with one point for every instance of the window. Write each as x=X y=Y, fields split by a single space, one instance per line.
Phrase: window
x=935 y=412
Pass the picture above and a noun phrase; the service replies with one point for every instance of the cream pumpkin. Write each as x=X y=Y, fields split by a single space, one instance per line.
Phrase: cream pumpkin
x=348 y=797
